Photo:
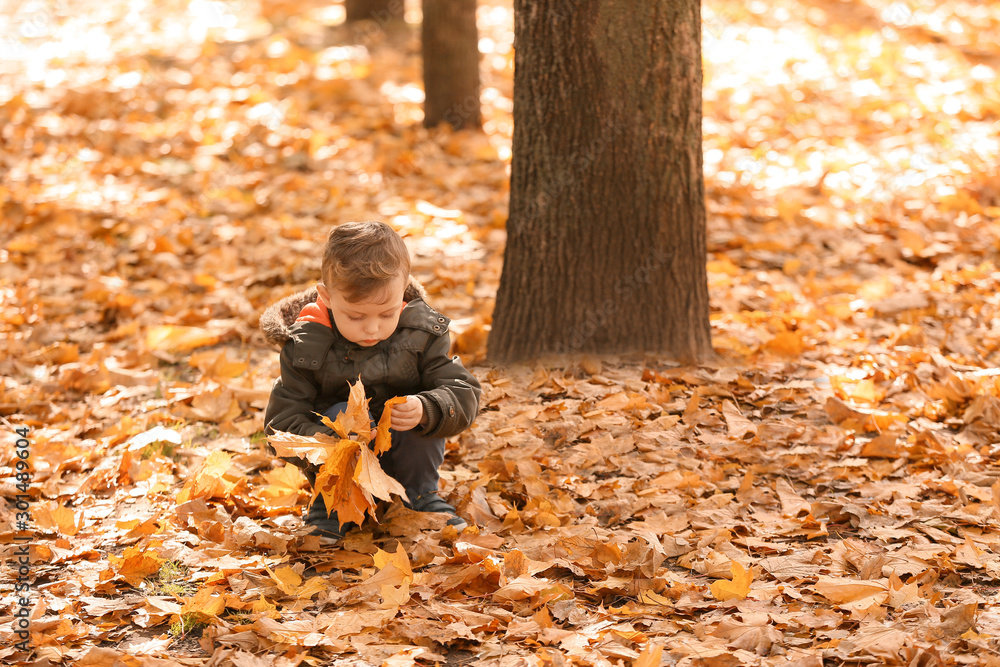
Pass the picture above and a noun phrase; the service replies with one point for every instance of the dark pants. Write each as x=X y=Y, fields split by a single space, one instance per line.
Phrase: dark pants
x=412 y=460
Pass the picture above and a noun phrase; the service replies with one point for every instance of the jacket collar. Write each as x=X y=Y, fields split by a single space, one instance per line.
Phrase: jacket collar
x=278 y=318
x=316 y=317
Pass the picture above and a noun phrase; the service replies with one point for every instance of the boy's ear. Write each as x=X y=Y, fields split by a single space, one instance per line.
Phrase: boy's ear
x=323 y=292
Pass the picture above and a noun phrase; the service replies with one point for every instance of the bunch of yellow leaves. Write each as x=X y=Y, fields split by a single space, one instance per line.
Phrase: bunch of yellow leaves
x=350 y=477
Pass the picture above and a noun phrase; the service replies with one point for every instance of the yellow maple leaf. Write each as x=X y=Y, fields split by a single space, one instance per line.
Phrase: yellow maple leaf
x=205 y=604
x=61 y=518
x=136 y=563
x=383 y=439
x=738 y=588
x=311 y=587
x=351 y=478
x=211 y=480
x=216 y=364
x=287 y=579
x=313 y=448
x=393 y=597
x=356 y=418
x=178 y=338
x=283 y=488
x=373 y=480
x=650 y=656
x=392 y=565
x=218 y=405
x=400 y=559
x=262 y=606
x=335 y=483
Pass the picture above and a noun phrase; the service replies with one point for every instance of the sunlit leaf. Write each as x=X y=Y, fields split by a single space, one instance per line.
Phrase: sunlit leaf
x=737 y=588
x=383 y=439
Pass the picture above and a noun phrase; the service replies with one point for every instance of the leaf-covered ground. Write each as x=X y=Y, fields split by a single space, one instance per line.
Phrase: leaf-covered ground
x=825 y=492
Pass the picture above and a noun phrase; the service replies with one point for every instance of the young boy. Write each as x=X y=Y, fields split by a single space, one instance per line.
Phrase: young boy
x=368 y=318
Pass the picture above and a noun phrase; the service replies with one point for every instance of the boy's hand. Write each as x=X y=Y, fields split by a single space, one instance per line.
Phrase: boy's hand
x=407 y=415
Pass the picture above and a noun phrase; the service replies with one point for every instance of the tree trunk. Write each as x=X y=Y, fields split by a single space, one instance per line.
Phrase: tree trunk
x=380 y=11
x=606 y=234
x=451 y=64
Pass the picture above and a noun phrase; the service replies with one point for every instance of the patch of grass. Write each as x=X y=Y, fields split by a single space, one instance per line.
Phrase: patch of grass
x=186 y=625
x=240 y=617
x=163 y=447
x=257 y=438
x=172 y=580
x=174 y=590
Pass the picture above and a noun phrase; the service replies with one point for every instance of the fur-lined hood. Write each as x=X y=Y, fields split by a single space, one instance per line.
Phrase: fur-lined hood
x=280 y=316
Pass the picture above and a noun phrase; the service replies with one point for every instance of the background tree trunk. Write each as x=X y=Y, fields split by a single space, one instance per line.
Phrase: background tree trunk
x=451 y=63
x=380 y=11
x=606 y=235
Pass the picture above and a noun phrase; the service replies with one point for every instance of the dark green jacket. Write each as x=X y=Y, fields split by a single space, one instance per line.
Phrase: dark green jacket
x=317 y=363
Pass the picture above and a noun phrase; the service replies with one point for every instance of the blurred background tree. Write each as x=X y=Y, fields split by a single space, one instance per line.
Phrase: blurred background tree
x=451 y=64
x=382 y=11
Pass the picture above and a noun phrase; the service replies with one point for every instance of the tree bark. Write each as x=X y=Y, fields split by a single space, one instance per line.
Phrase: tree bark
x=606 y=232
x=380 y=11
x=451 y=64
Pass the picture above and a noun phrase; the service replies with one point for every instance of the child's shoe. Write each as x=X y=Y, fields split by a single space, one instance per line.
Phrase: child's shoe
x=432 y=502
x=321 y=524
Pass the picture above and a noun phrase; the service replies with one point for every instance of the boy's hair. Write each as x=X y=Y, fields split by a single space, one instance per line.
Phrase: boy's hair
x=361 y=259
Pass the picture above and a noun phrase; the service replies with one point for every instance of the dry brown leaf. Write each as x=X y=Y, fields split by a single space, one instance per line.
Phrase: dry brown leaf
x=852 y=593
x=954 y=621
x=792 y=504
x=739 y=426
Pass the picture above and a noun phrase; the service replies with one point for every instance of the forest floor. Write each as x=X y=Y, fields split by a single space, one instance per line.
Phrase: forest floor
x=825 y=492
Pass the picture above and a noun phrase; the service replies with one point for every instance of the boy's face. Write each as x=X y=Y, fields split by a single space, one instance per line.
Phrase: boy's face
x=368 y=321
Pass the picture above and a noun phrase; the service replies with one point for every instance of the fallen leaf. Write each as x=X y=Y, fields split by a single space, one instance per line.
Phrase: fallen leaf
x=355 y=417
x=214 y=478
x=207 y=603
x=180 y=338
x=954 y=622
x=60 y=518
x=650 y=656
x=852 y=593
x=383 y=439
x=736 y=589
x=739 y=426
x=136 y=563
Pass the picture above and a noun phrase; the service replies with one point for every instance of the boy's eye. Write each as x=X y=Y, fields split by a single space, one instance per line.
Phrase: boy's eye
x=355 y=319
x=387 y=317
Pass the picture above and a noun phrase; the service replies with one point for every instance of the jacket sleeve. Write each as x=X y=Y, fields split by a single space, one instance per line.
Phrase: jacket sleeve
x=451 y=397
x=290 y=407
